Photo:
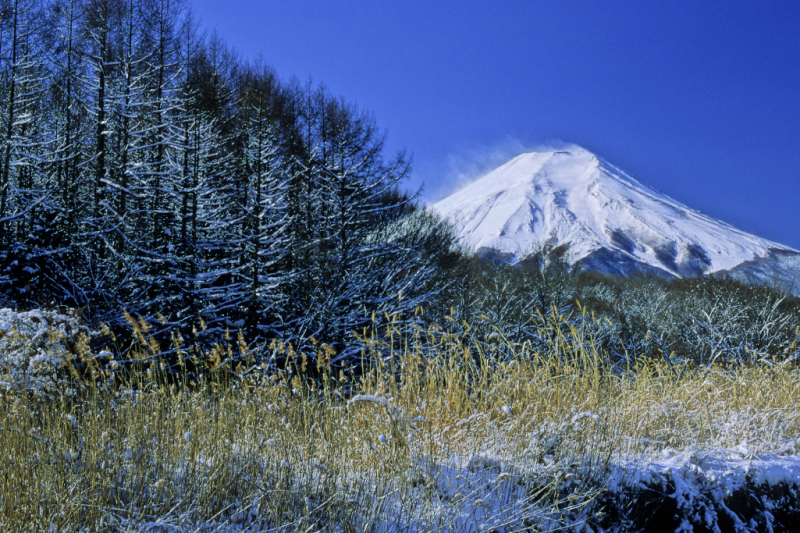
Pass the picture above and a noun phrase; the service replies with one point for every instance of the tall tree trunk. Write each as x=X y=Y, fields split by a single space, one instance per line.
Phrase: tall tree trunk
x=101 y=129
x=9 y=130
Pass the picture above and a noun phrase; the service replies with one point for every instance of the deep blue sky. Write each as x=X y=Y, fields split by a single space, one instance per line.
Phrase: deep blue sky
x=698 y=99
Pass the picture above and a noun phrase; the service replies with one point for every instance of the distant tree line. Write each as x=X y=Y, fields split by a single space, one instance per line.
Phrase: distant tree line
x=146 y=167
x=704 y=320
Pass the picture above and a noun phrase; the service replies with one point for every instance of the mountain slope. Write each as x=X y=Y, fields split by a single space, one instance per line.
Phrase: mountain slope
x=610 y=221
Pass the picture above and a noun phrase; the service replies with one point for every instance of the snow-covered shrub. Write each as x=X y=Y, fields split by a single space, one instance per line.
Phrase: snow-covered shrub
x=743 y=328
x=38 y=348
x=703 y=320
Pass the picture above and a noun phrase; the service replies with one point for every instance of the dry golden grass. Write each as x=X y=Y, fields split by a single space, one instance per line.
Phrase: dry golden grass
x=433 y=434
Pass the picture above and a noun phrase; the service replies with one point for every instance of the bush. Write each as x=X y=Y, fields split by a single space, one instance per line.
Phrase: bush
x=41 y=350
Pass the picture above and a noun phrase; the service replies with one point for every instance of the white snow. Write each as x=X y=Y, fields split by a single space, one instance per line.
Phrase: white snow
x=34 y=345
x=484 y=492
x=578 y=198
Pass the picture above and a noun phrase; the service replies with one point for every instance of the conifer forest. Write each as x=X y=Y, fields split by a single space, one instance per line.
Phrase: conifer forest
x=145 y=167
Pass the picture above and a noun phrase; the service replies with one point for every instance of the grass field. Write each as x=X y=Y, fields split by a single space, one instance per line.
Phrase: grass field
x=427 y=434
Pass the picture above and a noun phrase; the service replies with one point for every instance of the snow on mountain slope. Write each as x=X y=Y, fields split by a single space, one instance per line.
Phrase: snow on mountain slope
x=574 y=197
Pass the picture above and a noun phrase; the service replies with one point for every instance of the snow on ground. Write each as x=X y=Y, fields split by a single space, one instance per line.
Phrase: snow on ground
x=488 y=489
x=483 y=493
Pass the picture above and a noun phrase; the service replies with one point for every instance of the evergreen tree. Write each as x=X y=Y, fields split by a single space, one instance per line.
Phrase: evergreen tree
x=145 y=167
x=26 y=212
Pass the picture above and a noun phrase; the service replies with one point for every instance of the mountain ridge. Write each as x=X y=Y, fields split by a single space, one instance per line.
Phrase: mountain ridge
x=610 y=221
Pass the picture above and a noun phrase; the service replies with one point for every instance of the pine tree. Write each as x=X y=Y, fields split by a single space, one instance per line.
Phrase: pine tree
x=26 y=208
x=143 y=167
x=21 y=86
x=263 y=206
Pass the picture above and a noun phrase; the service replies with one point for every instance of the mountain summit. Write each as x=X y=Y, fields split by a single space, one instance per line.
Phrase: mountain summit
x=611 y=222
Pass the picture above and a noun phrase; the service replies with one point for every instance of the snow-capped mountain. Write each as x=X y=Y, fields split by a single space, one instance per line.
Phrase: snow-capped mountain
x=610 y=221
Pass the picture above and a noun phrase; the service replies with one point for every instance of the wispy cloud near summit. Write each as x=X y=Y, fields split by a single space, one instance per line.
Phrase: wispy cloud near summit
x=472 y=163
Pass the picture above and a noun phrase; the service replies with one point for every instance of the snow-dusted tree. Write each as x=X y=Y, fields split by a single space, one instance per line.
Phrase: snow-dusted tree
x=20 y=86
x=98 y=25
x=262 y=205
x=144 y=112
x=169 y=178
x=92 y=272
x=354 y=178
x=26 y=146
x=162 y=21
x=202 y=189
x=305 y=209
x=125 y=183
x=68 y=116
x=404 y=267
x=355 y=254
x=72 y=275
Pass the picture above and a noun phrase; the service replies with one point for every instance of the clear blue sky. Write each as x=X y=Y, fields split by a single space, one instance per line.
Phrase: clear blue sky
x=698 y=99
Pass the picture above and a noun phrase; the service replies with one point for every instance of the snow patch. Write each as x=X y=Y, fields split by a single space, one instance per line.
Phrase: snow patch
x=35 y=347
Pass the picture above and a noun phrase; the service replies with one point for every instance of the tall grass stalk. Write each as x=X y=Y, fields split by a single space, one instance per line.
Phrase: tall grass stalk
x=428 y=433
